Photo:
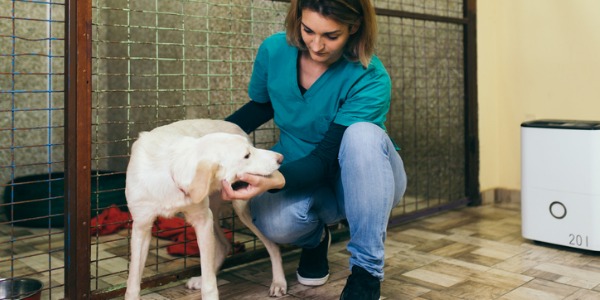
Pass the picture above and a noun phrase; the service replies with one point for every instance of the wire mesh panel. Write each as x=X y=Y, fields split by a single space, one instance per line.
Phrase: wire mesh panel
x=439 y=8
x=31 y=147
x=425 y=60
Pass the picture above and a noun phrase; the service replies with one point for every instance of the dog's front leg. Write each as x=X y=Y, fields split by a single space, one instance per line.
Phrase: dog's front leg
x=223 y=245
x=140 y=242
x=201 y=219
x=279 y=285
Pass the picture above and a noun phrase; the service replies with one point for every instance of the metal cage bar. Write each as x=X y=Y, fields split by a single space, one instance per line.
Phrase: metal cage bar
x=78 y=120
x=471 y=106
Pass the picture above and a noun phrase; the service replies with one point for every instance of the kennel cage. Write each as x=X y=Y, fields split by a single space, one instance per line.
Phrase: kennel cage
x=120 y=67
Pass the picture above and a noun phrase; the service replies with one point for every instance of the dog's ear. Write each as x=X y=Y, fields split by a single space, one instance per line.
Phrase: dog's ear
x=203 y=181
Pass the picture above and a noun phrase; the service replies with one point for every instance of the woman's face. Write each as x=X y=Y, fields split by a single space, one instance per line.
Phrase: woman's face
x=325 y=38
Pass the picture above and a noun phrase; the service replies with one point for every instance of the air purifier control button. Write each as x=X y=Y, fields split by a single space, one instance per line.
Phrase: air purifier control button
x=558 y=210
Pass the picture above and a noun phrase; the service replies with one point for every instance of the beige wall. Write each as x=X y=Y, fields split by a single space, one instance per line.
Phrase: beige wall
x=536 y=59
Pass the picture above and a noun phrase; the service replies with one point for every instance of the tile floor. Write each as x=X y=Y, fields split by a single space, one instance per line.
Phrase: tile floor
x=469 y=253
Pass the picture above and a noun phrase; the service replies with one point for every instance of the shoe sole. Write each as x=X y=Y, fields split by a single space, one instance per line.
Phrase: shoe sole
x=343 y=295
x=312 y=281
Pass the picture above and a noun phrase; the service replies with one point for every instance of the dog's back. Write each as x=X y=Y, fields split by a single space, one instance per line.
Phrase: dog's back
x=199 y=127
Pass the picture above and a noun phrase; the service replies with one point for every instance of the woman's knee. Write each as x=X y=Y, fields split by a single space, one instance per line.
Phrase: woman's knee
x=363 y=130
x=363 y=141
x=363 y=133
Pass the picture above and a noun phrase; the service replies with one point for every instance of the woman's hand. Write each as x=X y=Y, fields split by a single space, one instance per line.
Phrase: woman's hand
x=256 y=185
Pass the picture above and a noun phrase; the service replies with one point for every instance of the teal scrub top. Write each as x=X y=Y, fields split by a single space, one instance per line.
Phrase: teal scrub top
x=345 y=93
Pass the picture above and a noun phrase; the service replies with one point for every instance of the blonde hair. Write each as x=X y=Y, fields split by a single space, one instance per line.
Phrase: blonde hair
x=360 y=45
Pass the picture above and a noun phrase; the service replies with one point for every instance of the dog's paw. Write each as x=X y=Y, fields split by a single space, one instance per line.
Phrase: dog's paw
x=194 y=283
x=132 y=294
x=278 y=289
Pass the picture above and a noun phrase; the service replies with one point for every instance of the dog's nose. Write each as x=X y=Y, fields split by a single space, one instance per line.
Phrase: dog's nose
x=279 y=158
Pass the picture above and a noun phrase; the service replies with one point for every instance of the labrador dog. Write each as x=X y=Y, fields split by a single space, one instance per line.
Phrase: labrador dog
x=178 y=168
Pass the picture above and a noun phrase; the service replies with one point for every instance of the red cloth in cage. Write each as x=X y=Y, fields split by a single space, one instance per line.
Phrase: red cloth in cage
x=184 y=236
x=176 y=229
x=110 y=221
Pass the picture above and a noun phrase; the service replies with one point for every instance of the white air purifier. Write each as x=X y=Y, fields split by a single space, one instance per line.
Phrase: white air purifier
x=560 y=187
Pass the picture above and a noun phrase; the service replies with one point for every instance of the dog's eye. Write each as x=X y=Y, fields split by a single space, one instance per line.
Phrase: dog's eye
x=247 y=155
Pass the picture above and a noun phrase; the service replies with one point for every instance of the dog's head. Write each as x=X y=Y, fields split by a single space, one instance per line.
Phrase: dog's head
x=225 y=156
x=234 y=154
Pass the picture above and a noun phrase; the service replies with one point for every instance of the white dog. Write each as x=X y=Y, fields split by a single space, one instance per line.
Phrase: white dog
x=174 y=168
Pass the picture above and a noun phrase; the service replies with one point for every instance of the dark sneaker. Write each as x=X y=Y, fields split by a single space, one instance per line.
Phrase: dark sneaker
x=313 y=269
x=361 y=286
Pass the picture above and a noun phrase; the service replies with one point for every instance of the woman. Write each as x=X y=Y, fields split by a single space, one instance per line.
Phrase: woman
x=329 y=95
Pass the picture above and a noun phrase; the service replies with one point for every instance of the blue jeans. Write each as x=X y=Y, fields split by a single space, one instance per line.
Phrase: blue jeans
x=371 y=182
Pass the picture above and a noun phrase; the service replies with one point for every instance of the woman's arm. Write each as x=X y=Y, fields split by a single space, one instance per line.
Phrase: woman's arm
x=252 y=115
x=319 y=165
